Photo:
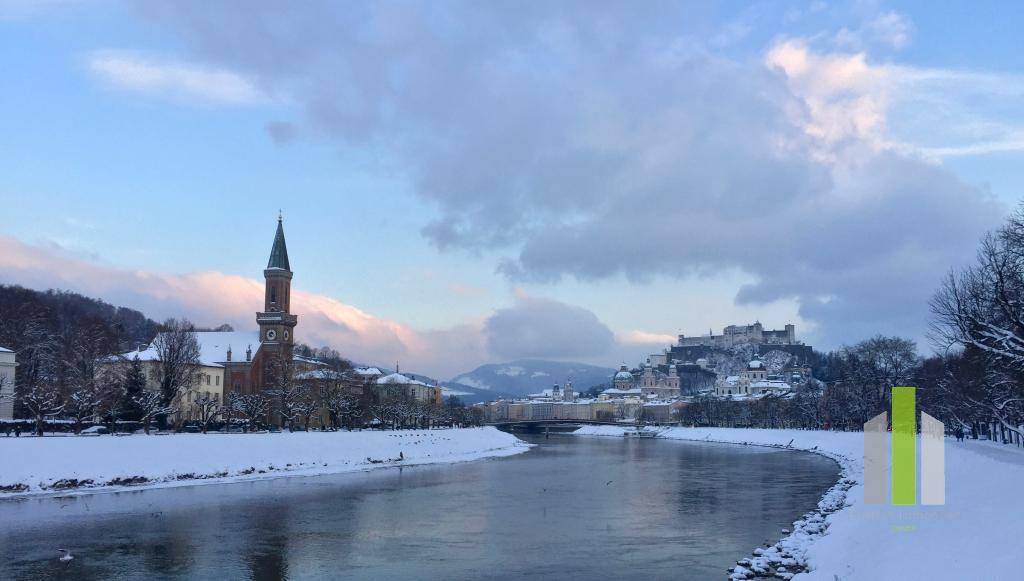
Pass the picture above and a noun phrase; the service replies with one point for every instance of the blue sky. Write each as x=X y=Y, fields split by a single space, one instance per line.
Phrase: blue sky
x=437 y=163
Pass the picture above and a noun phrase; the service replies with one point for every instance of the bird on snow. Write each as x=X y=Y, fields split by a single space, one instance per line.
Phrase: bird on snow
x=65 y=555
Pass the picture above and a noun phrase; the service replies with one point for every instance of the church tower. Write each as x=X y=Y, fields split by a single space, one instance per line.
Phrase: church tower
x=277 y=324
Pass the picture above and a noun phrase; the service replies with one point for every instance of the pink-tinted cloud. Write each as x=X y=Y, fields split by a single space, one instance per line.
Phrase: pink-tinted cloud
x=211 y=298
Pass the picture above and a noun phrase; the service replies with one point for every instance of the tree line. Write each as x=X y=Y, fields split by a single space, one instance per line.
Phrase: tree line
x=70 y=373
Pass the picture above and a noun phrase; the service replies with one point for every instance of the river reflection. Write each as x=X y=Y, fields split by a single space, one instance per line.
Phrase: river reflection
x=572 y=508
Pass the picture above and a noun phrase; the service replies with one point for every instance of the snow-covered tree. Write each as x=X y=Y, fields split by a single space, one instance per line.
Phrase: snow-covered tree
x=41 y=401
x=207 y=408
x=341 y=404
x=150 y=405
x=131 y=379
x=252 y=407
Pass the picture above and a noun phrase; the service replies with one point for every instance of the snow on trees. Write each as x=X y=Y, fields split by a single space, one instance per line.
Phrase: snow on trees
x=775 y=361
x=980 y=310
x=341 y=404
x=206 y=407
x=253 y=407
x=150 y=405
x=42 y=401
x=177 y=349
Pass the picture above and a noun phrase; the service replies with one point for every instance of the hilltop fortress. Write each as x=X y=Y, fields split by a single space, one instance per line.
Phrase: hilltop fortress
x=753 y=337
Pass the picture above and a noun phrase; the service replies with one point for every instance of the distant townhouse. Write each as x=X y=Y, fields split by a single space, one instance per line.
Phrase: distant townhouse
x=398 y=385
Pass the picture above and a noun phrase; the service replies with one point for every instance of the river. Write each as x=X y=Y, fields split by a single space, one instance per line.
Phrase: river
x=571 y=508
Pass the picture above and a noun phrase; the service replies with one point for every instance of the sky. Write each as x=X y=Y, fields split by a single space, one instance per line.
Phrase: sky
x=467 y=182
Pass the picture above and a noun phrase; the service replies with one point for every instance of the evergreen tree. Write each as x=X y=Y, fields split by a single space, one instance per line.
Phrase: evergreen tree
x=133 y=382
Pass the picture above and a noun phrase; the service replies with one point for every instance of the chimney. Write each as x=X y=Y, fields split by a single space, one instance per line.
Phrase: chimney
x=229 y=352
x=248 y=353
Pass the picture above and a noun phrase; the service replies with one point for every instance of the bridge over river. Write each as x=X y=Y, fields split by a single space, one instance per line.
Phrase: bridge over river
x=549 y=425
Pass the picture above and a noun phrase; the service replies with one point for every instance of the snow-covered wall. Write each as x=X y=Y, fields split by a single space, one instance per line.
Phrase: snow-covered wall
x=40 y=465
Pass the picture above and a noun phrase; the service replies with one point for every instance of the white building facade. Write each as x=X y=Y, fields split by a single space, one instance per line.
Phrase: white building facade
x=7 y=365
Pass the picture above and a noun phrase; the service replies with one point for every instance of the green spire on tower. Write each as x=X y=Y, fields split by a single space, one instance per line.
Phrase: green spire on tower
x=279 y=253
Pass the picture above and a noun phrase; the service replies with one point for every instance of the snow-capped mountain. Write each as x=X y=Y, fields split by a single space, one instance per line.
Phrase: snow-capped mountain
x=525 y=376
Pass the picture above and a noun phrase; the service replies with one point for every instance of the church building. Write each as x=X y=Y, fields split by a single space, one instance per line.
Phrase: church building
x=276 y=327
x=243 y=362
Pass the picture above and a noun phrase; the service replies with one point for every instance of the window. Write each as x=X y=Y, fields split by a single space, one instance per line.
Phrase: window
x=218 y=380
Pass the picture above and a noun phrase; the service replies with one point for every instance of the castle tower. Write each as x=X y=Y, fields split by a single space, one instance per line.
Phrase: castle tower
x=277 y=324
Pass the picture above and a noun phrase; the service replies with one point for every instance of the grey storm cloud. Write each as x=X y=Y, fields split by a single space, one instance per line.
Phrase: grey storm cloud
x=593 y=139
x=536 y=327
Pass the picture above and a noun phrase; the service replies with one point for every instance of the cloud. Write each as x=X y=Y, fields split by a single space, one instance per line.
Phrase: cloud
x=282 y=133
x=845 y=98
x=532 y=327
x=24 y=9
x=646 y=338
x=889 y=29
x=211 y=298
x=133 y=72
x=547 y=329
x=931 y=112
x=559 y=137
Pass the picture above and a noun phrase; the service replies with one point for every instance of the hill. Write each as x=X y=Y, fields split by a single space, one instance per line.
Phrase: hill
x=525 y=376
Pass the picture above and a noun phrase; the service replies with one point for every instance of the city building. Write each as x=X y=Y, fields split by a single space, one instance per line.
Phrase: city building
x=555 y=393
x=398 y=385
x=663 y=385
x=623 y=379
x=753 y=381
x=7 y=365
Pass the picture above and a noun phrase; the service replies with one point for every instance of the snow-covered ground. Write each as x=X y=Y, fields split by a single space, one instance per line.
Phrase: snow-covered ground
x=75 y=464
x=977 y=534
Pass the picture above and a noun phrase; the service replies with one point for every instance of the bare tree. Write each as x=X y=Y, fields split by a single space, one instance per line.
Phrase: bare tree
x=88 y=388
x=980 y=310
x=6 y=394
x=308 y=407
x=37 y=390
x=178 y=351
x=288 y=395
x=341 y=404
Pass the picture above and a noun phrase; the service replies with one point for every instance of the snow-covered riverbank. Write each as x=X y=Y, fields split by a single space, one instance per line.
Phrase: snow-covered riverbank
x=91 y=464
x=976 y=535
